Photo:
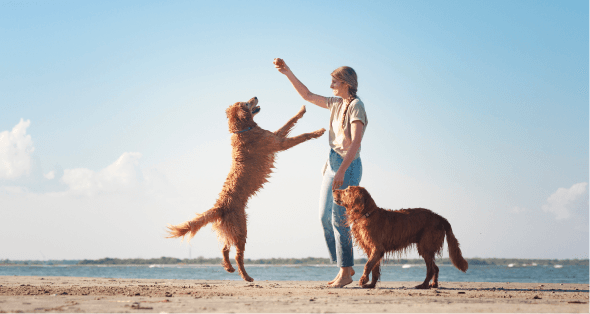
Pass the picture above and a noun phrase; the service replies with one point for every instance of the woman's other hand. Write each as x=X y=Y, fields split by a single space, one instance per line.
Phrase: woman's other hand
x=357 y=135
x=281 y=65
x=338 y=180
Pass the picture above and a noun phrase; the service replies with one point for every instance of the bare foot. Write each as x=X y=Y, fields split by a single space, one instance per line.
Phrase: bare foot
x=334 y=280
x=340 y=275
x=341 y=282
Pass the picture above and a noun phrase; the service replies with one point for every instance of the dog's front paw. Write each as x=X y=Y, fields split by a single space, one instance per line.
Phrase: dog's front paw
x=301 y=112
x=369 y=286
x=363 y=281
x=422 y=286
x=319 y=132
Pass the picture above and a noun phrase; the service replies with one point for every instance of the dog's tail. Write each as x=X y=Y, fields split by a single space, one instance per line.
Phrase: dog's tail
x=454 y=250
x=191 y=227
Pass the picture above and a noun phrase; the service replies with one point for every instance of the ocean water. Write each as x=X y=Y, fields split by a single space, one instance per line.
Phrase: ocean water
x=529 y=274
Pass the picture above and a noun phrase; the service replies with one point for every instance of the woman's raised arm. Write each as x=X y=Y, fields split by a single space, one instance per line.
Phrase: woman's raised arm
x=317 y=100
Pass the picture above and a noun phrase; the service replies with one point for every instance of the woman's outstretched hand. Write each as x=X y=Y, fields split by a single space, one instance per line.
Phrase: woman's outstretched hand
x=301 y=89
x=281 y=65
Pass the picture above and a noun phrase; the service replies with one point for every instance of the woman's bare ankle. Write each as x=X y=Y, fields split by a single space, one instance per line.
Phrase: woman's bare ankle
x=342 y=272
x=347 y=271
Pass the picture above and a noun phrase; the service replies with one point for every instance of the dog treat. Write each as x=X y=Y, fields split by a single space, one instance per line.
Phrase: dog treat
x=280 y=62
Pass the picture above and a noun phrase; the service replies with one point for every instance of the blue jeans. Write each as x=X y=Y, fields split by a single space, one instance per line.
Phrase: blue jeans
x=337 y=234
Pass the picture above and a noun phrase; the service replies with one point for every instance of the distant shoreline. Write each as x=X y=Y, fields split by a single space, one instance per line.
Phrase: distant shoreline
x=310 y=261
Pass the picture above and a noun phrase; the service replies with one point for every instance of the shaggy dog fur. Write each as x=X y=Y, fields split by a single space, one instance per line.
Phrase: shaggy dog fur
x=379 y=231
x=253 y=157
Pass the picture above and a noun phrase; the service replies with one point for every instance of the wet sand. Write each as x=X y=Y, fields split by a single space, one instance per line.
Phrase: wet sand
x=79 y=294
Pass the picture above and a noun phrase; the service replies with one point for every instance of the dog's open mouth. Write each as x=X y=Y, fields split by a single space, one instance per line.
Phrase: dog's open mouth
x=253 y=106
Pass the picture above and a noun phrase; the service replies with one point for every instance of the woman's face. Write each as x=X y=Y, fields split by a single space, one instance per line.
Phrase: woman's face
x=339 y=88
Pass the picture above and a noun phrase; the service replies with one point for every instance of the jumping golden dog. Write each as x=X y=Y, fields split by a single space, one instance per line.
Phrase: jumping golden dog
x=379 y=231
x=253 y=157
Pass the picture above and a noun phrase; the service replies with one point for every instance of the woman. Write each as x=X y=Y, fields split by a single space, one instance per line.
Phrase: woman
x=348 y=122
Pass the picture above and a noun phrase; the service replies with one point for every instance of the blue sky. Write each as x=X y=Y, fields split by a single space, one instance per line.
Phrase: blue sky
x=112 y=120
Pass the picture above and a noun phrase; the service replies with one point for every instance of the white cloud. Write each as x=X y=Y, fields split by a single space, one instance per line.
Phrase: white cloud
x=15 y=151
x=50 y=175
x=564 y=201
x=123 y=174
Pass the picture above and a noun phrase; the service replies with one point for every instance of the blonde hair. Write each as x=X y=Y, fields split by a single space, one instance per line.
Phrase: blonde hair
x=347 y=75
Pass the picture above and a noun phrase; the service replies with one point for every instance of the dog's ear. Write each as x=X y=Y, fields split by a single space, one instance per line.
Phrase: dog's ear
x=359 y=197
x=239 y=111
x=238 y=116
x=365 y=195
x=242 y=113
x=229 y=112
x=367 y=199
x=232 y=118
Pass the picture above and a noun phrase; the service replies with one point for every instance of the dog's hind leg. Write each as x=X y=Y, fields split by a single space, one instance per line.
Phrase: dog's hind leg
x=430 y=269
x=373 y=261
x=285 y=129
x=437 y=238
x=434 y=283
x=226 y=263
x=240 y=247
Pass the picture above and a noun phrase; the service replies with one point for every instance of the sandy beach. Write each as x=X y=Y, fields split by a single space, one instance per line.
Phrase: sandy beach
x=79 y=294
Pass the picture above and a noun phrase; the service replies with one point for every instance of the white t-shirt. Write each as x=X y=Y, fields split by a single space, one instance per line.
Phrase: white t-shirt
x=340 y=139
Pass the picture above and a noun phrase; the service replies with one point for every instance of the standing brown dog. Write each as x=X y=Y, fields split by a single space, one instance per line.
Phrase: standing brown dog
x=253 y=157
x=379 y=231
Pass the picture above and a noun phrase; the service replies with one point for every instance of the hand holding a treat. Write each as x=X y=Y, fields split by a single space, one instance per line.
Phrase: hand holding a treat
x=281 y=66
x=299 y=87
